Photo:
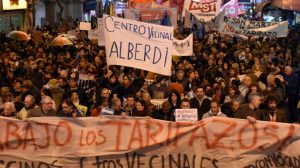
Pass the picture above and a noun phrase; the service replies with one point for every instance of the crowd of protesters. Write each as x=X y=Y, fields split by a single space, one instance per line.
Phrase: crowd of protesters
x=228 y=76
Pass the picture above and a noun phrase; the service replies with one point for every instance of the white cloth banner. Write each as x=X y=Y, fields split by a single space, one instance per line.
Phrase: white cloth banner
x=116 y=142
x=84 y=26
x=183 y=47
x=101 y=41
x=203 y=11
x=240 y=26
x=93 y=34
x=138 y=45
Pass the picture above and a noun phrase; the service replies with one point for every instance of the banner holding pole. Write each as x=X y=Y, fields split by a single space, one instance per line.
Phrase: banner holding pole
x=138 y=45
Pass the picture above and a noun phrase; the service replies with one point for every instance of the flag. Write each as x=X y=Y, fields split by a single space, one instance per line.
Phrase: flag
x=201 y=31
x=194 y=27
x=100 y=9
x=231 y=8
x=166 y=20
x=107 y=7
x=111 y=9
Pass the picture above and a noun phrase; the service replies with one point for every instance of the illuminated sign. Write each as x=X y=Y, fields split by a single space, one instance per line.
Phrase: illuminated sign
x=14 y=4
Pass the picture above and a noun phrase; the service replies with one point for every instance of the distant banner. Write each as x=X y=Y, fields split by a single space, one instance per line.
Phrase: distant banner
x=115 y=142
x=240 y=26
x=139 y=4
x=152 y=15
x=183 y=47
x=203 y=11
x=287 y=4
x=84 y=26
x=101 y=41
x=138 y=45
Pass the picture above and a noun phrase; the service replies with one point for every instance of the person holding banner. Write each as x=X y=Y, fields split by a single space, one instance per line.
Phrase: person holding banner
x=69 y=109
x=272 y=112
x=141 y=109
x=165 y=113
x=250 y=110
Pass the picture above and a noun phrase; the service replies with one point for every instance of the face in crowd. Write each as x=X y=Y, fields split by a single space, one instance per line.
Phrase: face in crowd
x=185 y=105
x=130 y=101
x=214 y=107
x=47 y=105
x=200 y=93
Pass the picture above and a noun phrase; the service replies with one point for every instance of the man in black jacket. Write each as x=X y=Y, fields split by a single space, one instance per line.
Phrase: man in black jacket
x=200 y=101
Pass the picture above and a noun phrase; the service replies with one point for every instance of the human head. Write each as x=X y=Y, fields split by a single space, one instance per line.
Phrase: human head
x=8 y=109
x=166 y=107
x=140 y=105
x=271 y=101
x=255 y=100
x=174 y=96
x=180 y=75
x=29 y=101
x=247 y=80
x=235 y=104
x=200 y=91
x=47 y=104
x=130 y=100
x=68 y=106
x=214 y=107
x=288 y=70
x=185 y=103
x=105 y=93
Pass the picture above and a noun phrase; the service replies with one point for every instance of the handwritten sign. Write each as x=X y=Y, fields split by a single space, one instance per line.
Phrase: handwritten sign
x=138 y=45
x=84 y=26
x=134 y=142
x=186 y=115
x=203 y=11
x=240 y=26
x=183 y=47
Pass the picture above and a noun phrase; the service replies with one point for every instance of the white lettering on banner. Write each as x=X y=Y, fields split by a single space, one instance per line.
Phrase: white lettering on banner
x=240 y=26
x=183 y=47
x=139 y=45
x=113 y=141
x=186 y=115
x=204 y=11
